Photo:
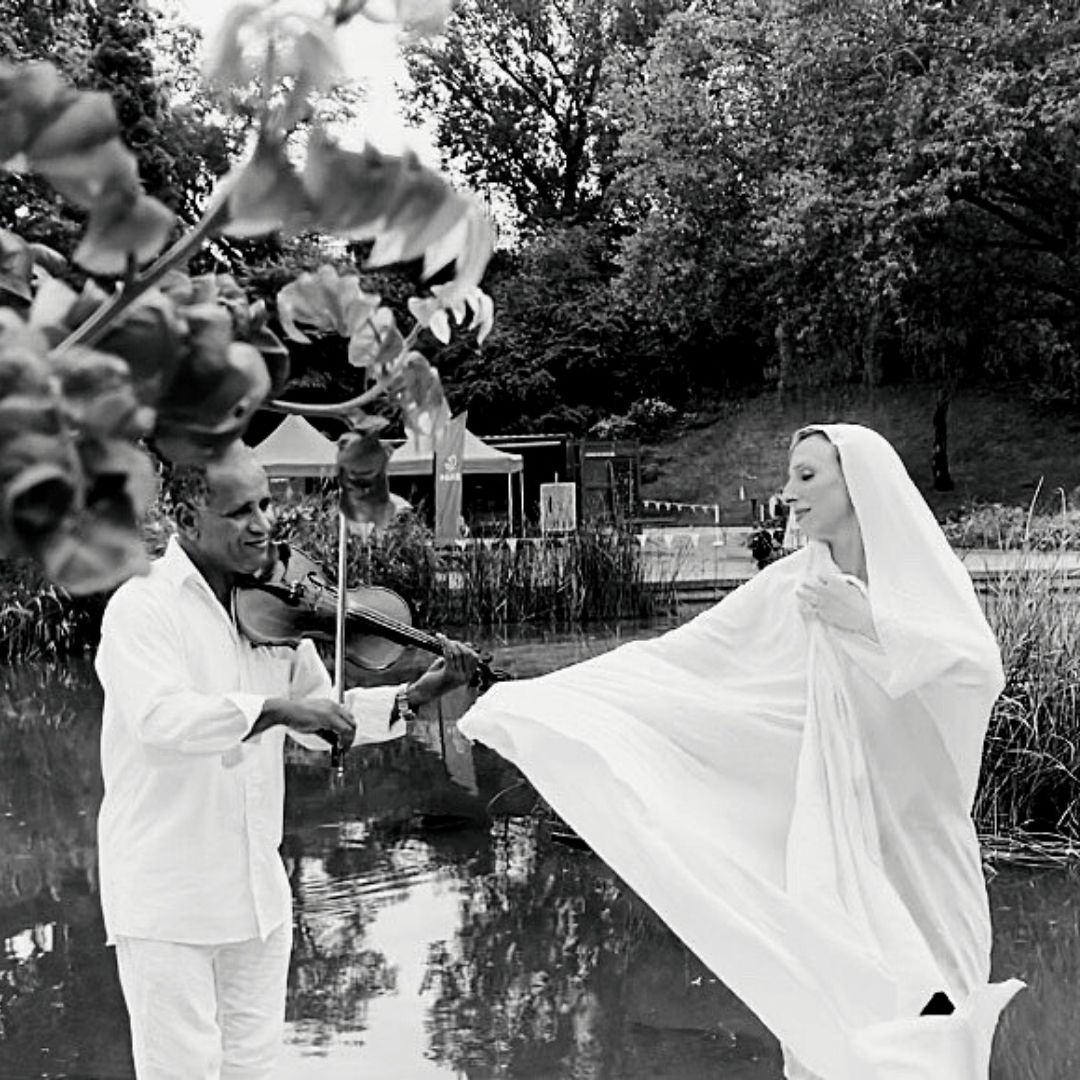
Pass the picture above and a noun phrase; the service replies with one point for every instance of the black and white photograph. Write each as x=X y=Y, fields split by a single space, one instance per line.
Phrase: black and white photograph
x=539 y=540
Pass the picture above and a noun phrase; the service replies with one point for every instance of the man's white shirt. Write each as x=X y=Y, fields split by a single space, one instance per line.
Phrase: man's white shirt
x=191 y=820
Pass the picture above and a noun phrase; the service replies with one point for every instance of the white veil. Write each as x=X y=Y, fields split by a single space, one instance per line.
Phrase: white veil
x=926 y=613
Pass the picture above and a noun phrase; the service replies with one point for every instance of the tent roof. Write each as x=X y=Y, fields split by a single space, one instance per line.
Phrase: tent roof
x=295 y=448
x=414 y=457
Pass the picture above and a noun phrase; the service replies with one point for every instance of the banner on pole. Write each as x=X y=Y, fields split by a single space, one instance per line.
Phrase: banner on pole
x=449 y=458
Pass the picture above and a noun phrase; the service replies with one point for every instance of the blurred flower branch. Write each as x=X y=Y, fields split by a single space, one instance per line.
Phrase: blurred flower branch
x=183 y=362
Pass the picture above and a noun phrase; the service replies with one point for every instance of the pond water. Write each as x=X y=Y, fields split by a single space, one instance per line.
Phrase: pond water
x=442 y=931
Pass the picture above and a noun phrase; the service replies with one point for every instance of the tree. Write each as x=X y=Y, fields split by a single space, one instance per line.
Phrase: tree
x=697 y=142
x=862 y=191
x=559 y=356
x=515 y=88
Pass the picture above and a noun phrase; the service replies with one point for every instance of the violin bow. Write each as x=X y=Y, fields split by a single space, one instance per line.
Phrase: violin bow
x=337 y=755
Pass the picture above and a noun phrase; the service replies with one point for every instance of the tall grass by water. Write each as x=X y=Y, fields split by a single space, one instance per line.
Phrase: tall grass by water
x=594 y=575
x=39 y=620
x=1031 y=762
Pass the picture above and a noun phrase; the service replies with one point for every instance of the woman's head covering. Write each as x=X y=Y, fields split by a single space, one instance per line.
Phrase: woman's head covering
x=927 y=616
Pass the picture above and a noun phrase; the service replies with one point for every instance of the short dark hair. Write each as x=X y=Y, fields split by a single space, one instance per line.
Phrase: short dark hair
x=191 y=485
x=184 y=485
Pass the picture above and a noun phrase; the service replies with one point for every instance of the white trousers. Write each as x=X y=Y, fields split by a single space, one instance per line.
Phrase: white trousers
x=205 y=1012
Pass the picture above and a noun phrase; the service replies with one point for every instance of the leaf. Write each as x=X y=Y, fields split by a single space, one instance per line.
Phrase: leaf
x=350 y=192
x=277 y=47
x=275 y=356
x=70 y=137
x=214 y=395
x=93 y=556
x=458 y=300
x=35 y=502
x=122 y=483
x=98 y=396
x=468 y=245
x=28 y=101
x=376 y=341
x=362 y=481
x=87 y=119
x=403 y=244
x=326 y=301
x=33 y=413
x=16 y=266
x=49 y=259
x=265 y=194
x=418 y=393
x=150 y=336
x=118 y=229
x=89 y=300
x=224 y=62
x=38 y=487
x=52 y=305
x=23 y=369
x=424 y=209
x=104 y=172
x=425 y=16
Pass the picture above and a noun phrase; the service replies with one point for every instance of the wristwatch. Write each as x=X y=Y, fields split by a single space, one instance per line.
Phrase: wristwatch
x=402 y=709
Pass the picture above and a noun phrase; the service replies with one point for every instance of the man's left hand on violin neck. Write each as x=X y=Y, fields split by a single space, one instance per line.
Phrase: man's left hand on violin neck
x=456 y=667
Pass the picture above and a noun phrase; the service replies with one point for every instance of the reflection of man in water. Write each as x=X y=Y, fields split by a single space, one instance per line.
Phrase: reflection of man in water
x=193 y=890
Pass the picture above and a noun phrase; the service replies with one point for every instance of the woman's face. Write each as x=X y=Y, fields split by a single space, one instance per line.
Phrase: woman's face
x=816 y=491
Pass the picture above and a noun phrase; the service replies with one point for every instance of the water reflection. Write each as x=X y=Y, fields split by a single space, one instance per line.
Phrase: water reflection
x=440 y=931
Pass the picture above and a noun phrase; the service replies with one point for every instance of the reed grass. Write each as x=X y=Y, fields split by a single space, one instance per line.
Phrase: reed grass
x=1031 y=760
x=594 y=575
x=39 y=620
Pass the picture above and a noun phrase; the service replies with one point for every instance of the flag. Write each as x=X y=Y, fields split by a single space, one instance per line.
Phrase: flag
x=449 y=459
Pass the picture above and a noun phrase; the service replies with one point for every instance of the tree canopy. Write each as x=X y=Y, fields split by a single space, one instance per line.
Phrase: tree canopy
x=785 y=192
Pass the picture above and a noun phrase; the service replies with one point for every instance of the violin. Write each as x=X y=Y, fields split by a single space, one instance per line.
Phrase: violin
x=293 y=600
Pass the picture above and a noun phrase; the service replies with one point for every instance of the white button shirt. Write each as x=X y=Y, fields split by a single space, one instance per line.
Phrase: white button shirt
x=191 y=820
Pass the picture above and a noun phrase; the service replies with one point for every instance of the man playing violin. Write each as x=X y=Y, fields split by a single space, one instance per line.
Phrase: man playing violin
x=194 y=893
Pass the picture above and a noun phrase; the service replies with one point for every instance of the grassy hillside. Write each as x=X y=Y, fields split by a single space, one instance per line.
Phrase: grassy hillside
x=1000 y=446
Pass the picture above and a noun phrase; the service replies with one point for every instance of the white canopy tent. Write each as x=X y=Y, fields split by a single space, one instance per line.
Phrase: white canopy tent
x=295 y=448
x=416 y=457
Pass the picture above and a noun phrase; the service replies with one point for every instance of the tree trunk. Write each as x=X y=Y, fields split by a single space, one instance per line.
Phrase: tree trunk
x=939 y=462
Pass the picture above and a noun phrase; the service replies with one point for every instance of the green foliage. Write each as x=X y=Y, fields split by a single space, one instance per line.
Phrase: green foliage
x=516 y=92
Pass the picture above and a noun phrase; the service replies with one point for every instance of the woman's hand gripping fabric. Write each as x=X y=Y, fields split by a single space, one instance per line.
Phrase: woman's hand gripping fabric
x=838 y=601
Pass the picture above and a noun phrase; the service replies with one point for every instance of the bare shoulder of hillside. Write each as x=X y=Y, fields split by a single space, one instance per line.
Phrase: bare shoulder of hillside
x=1001 y=445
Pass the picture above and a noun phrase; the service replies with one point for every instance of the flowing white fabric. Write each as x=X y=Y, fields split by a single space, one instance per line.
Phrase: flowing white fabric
x=794 y=800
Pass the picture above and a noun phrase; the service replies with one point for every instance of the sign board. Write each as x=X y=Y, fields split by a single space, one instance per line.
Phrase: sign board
x=558 y=508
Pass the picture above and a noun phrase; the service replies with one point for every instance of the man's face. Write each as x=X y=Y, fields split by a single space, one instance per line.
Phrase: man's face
x=231 y=531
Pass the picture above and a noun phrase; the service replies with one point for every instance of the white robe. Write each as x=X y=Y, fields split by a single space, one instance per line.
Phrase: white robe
x=794 y=800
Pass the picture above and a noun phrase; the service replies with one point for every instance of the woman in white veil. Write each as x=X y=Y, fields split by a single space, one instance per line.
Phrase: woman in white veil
x=788 y=778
